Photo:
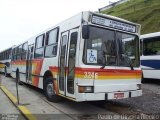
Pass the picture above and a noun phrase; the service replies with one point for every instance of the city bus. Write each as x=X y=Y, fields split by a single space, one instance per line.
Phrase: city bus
x=88 y=57
x=150 y=55
x=5 y=59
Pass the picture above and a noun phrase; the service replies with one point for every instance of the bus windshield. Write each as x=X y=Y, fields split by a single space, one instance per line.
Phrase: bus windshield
x=111 y=48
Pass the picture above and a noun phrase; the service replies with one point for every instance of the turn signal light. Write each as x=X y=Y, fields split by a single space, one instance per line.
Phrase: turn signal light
x=85 y=89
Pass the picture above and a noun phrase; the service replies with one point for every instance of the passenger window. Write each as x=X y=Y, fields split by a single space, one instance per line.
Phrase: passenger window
x=51 y=43
x=151 y=46
x=24 y=51
x=25 y=47
x=141 y=47
x=40 y=41
x=19 y=50
x=14 y=54
x=39 y=46
x=4 y=55
x=52 y=37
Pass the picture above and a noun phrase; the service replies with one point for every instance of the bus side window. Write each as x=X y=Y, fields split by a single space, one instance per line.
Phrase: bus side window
x=19 y=50
x=151 y=46
x=13 y=54
x=141 y=47
x=51 y=43
x=24 y=51
x=39 y=49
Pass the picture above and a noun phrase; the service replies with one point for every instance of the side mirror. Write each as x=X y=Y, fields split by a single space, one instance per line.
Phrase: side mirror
x=85 y=32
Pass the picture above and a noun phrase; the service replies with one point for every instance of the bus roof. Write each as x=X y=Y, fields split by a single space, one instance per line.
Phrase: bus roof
x=155 y=34
x=6 y=49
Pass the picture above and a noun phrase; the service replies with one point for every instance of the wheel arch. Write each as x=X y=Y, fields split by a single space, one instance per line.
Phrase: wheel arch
x=54 y=98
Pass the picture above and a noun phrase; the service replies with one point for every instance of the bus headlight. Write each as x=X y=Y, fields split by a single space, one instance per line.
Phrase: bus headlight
x=85 y=89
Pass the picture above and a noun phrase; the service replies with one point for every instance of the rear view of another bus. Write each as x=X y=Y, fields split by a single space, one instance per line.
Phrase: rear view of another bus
x=5 y=61
x=150 y=55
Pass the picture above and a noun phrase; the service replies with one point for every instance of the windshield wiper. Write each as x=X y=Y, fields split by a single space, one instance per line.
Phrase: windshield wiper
x=130 y=63
x=128 y=60
x=131 y=66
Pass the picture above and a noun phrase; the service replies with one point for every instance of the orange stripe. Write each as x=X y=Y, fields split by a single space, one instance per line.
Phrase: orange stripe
x=110 y=74
x=54 y=68
x=56 y=87
x=19 y=62
x=37 y=66
x=55 y=71
x=109 y=77
x=104 y=73
x=106 y=70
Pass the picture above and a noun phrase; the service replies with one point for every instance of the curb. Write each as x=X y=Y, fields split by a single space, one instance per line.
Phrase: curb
x=27 y=114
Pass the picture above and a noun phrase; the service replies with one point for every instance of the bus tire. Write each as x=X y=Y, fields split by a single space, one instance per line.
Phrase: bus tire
x=49 y=91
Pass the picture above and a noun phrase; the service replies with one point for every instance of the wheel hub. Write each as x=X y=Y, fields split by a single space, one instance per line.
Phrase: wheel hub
x=50 y=90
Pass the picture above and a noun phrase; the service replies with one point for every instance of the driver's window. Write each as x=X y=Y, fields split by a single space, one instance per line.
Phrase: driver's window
x=97 y=44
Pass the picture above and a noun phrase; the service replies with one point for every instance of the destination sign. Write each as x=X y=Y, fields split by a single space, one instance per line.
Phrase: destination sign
x=114 y=24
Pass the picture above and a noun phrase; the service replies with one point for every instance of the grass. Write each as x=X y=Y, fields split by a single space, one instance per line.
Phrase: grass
x=145 y=13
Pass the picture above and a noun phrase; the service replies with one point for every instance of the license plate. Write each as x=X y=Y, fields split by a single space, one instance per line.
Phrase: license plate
x=118 y=95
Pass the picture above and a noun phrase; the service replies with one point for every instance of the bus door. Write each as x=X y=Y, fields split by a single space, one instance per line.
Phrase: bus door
x=29 y=63
x=67 y=61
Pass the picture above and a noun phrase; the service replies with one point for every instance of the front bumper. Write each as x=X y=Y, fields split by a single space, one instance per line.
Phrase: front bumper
x=106 y=96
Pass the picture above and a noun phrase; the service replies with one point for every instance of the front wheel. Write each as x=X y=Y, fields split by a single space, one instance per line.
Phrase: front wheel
x=50 y=92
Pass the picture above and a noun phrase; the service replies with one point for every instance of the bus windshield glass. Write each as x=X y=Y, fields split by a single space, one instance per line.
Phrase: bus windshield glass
x=128 y=49
x=111 y=48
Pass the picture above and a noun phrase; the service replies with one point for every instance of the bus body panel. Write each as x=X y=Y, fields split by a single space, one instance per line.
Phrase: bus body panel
x=106 y=96
x=150 y=66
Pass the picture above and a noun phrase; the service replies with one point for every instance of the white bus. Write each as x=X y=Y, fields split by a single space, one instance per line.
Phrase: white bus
x=5 y=59
x=150 y=55
x=87 y=57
